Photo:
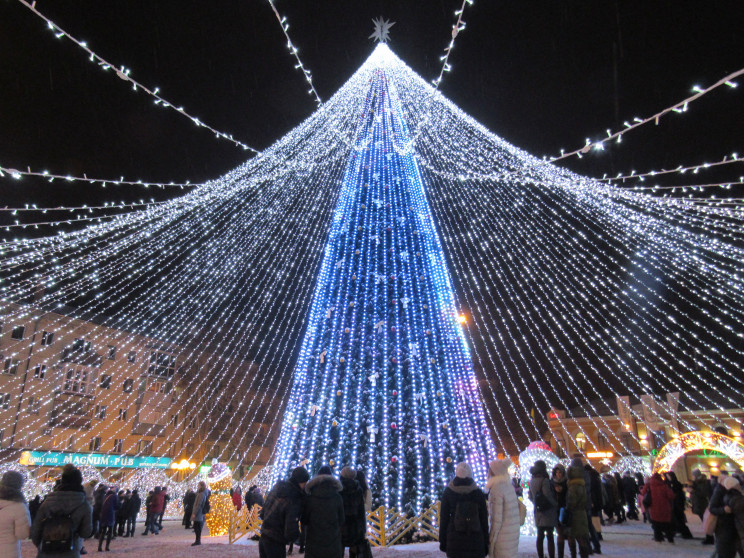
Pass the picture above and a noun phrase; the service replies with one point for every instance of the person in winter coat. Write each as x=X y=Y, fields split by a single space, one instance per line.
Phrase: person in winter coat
x=594 y=502
x=109 y=508
x=630 y=493
x=123 y=514
x=362 y=480
x=611 y=505
x=545 y=507
x=700 y=494
x=237 y=498
x=323 y=517
x=503 y=510
x=15 y=521
x=254 y=497
x=98 y=496
x=679 y=520
x=660 y=508
x=134 y=505
x=354 y=528
x=281 y=514
x=576 y=503
x=463 y=523
x=166 y=499
x=33 y=506
x=197 y=514
x=68 y=499
x=154 y=508
x=559 y=481
x=734 y=505
x=727 y=537
x=188 y=507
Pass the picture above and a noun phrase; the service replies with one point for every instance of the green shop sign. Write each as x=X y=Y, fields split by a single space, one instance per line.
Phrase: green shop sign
x=55 y=459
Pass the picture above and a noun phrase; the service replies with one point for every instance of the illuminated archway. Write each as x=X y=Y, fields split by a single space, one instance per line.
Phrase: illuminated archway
x=692 y=441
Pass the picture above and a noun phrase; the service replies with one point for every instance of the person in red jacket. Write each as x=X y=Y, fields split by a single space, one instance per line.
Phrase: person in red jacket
x=154 y=509
x=237 y=497
x=660 y=507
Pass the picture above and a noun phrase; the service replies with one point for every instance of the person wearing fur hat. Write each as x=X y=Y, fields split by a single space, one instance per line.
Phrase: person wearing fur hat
x=323 y=516
x=463 y=525
x=722 y=505
x=68 y=499
x=560 y=486
x=734 y=505
x=281 y=515
x=503 y=510
x=545 y=507
x=15 y=521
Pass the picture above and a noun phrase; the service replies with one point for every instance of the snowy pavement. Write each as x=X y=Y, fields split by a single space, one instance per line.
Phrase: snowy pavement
x=632 y=539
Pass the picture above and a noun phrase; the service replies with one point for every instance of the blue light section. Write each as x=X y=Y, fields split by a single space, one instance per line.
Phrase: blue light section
x=384 y=380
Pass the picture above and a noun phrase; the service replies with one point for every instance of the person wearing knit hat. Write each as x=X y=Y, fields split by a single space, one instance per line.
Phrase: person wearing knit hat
x=545 y=507
x=68 y=499
x=504 y=511
x=281 y=515
x=463 y=523
x=15 y=521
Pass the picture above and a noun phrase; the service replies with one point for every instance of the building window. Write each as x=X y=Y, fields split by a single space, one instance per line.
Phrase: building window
x=11 y=366
x=603 y=443
x=18 y=332
x=132 y=357
x=71 y=443
x=33 y=405
x=174 y=420
x=2 y=436
x=192 y=423
x=190 y=449
x=172 y=449
x=47 y=338
x=122 y=414
x=105 y=381
x=216 y=451
x=40 y=371
x=81 y=346
x=144 y=447
x=111 y=355
x=580 y=441
x=128 y=385
x=118 y=445
x=659 y=439
x=721 y=429
x=4 y=401
x=162 y=365
x=95 y=444
x=100 y=412
x=76 y=380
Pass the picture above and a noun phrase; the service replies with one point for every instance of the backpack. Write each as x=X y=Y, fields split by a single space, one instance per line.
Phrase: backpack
x=466 y=517
x=206 y=507
x=58 y=533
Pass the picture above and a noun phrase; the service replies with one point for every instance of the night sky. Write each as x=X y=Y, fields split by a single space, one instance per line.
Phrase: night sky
x=544 y=75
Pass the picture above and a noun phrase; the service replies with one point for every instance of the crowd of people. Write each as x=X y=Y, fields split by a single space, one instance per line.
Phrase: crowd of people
x=325 y=515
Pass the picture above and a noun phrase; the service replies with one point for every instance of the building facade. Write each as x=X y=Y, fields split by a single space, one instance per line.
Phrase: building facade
x=74 y=386
x=641 y=426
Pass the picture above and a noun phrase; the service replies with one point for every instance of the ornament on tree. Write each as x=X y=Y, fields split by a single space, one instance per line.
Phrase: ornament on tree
x=313 y=410
x=372 y=431
x=393 y=425
x=322 y=357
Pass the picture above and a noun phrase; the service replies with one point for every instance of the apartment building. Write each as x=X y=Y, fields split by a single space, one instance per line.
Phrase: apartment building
x=73 y=388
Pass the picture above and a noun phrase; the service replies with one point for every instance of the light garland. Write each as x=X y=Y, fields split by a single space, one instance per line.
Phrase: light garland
x=123 y=73
x=691 y=441
x=51 y=177
x=572 y=289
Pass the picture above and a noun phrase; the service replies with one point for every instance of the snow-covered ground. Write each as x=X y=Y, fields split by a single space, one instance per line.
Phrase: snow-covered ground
x=632 y=539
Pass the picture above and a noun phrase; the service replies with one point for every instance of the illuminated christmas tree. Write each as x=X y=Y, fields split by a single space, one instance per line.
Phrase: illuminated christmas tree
x=384 y=380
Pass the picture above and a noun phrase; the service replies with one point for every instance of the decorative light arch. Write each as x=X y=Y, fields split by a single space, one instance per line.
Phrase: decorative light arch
x=692 y=441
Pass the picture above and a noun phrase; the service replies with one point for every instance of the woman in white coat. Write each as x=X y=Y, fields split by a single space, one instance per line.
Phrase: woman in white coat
x=15 y=522
x=503 y=510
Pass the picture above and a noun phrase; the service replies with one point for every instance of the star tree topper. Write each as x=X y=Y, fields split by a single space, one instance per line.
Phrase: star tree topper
x=381 y=33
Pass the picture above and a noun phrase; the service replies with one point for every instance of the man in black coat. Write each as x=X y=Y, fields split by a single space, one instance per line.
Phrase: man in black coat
x=463 y=527
x=354 y=528
x=281 y=515
x=135 y=503
x=630 y=490
x=188 y=508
